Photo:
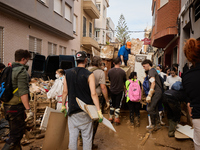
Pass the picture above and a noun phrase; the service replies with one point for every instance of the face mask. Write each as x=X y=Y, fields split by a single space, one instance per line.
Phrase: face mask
x=158 y=71
x=105 y=69
x=57 y=76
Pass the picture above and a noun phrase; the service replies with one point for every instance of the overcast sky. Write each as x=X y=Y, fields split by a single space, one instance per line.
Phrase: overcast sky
x=136 y=12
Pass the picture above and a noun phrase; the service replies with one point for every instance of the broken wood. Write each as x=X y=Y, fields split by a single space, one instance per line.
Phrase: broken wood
x=145 y=139
x=163 y=145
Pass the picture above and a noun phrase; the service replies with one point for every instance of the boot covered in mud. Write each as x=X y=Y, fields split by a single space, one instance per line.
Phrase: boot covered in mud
x=152 y=126
x=172 y=127
x=137 y=121
x=112 y=110
x=117 y=121
x=16 y=146
x=132 y=119
x=158 y=125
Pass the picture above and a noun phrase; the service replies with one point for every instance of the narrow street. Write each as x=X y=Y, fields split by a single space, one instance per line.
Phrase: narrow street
x=129 y=138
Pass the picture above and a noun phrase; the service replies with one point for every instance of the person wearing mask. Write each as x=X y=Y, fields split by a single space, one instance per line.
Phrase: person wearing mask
x=191 y=82
x=57 y=88
x=117 y=77
x=16 y=108
x=134 y=104
x=159 y=71
x=154 y=95
x=123 y=53
x=101 y=88
x=103 y=67
x=172 y=78
x=80 y=82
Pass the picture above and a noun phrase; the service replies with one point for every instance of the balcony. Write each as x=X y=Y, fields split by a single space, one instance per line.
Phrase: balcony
x=90 y=8
x=89 y=41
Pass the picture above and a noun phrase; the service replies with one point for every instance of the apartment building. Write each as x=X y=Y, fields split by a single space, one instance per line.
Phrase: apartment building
x=89 y=13
x=47 y=27
x=165 y=29
x=189 y=25
x=110 y=30
x=100 y=24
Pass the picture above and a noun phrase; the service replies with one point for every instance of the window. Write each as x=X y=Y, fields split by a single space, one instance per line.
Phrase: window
x=84 y=27
x=67 y=12
x=58 y=6
x=1 y=44
x=35 y=44
x=73 y=52
x=97 y=32
x=90 y=30
x=163 y=2
x=51 y=48
x=74 y=24
x=62 y=50
x=99 y=7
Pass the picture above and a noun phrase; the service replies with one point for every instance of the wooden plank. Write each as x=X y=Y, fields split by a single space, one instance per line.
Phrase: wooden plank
x=180 y=135
x=145 y=139
x=57 y=134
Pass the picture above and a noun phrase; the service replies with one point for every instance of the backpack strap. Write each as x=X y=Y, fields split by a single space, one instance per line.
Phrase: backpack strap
x=93 y=69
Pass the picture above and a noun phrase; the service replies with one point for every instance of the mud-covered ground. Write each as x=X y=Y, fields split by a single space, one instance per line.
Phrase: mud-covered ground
x=129 y=138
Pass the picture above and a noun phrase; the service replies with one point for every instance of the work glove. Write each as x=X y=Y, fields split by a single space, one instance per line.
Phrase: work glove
x=29 y=115
x=64 y=110
x=122 y=64
x=166 y=83
x=148 y=99
x=150 y=94
x=107 y=105
x=100 y=116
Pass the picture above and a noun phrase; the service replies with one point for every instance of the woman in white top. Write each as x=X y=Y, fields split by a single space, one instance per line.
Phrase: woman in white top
x=57 y=88
x=172 y=78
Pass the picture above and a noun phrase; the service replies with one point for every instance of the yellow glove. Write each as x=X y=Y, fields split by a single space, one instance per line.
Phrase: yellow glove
x=150 y=94
x=100 y=116
x=64 y=110
x=107 y=105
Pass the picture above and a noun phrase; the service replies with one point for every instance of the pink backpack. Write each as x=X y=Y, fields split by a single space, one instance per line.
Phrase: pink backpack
x=134 y=92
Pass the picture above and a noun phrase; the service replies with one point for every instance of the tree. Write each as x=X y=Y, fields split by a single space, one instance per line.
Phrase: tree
x=122 y=30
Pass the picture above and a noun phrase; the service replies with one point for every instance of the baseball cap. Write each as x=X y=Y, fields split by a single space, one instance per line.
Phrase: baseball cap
x=128 y=45
x=81 y=55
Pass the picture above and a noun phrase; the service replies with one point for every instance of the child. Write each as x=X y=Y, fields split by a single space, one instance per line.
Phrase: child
x=133 y=98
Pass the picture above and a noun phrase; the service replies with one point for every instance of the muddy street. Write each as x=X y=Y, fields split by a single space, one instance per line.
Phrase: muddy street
x=128 y=137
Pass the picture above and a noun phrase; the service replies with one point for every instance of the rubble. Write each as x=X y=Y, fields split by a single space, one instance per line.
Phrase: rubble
x=107 y=52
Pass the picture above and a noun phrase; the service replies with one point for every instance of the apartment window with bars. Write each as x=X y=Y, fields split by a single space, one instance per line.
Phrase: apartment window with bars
x=1 y=44
x=62 y=50
x=35 y=44
x=84 y=27
x=90 y=30
x=52 y=48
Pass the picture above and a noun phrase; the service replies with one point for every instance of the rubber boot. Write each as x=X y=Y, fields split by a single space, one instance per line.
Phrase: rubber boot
x=117 y=112
x=18 y=146
x=137 y=121
x=157 y=121
x=132 y=119
x=160 y=115
x=172 y=128
x=152 y=126
x=112 y=110
x=149 y=119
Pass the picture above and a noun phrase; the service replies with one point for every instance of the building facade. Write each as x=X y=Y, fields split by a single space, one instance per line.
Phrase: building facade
x=165 y=29
x=89 y=12
x=110 y=30
x=100 y=24
x=47 y=27
x=189 y=25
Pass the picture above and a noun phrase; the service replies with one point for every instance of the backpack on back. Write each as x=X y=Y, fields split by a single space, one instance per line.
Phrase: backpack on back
x=146 y=85
x=6 y=89
x=134 y=92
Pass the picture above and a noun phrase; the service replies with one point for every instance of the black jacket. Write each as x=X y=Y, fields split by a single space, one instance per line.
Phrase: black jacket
x=191 y=85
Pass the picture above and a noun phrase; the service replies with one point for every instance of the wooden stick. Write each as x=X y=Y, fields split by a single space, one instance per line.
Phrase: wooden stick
x=145 y=139
x=158 y=144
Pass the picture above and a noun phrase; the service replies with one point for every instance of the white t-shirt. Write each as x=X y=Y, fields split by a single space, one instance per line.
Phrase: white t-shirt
x=171 y=80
